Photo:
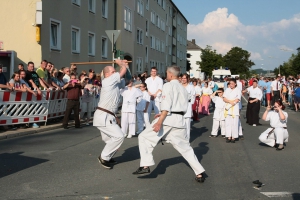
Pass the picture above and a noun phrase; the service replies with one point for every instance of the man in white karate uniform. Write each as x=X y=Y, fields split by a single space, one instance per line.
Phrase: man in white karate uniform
x=104 y=118
x=191 y=99
x=171 y=123
x=239 y=85
x=130 y=95
x=154 y=84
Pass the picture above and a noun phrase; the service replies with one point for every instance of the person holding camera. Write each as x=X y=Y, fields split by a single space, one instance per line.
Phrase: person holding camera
x=277 y=134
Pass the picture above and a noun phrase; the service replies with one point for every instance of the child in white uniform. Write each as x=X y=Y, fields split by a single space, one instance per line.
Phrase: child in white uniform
x=218 y=118
x=142 y=109
x=130 y=95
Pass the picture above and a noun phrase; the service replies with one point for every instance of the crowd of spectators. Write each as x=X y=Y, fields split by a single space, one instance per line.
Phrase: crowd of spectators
x=47 y=77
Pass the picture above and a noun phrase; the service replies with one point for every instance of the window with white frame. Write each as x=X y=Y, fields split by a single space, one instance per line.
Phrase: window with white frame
x=152 y=42
x=75 y=39
x=92 y=6
x=162 y=46
x=127 y=19
x=170 y=11
x=159 y=2
x=146 y=54
x=147 y=4
x=104 y=47
x=170 y=50
x=55 y=34
x=139 y=36
x=163 y=25
x=164 y=4
x=170 y=31
x=157 y=21
x=140 y=7
x=91 y=44
x=157 y=44
x=139 y=64
x=105 y=8
x=153 y=17
x=76 y=2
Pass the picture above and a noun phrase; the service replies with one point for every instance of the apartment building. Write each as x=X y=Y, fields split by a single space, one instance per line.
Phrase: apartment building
x=153 y=33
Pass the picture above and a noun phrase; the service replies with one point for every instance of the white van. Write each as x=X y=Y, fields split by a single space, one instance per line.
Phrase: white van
x=218 y=76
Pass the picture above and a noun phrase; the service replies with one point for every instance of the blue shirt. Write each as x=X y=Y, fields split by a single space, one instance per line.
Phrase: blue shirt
x=261 y=83
x=268 y=85
x=297 y=92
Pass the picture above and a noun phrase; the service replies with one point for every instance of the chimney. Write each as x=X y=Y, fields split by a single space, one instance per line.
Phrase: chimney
x=193 y=41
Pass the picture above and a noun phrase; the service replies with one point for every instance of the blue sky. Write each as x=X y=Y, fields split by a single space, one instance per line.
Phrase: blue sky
x=268 y=29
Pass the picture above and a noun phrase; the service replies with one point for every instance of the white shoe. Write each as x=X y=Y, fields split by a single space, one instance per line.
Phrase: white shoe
x=254 y=125
x=167 y=141
x=129 y=136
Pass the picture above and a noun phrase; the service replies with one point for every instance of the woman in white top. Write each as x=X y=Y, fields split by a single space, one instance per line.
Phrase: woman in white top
x=232 y=97
x=206 y=99
x=198 y=93
x=277 y=134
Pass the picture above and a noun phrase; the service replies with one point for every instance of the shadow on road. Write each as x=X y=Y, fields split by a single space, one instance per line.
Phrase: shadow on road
x=130 y=154
x=15 y=162
x=197 y=132
x=201 y=150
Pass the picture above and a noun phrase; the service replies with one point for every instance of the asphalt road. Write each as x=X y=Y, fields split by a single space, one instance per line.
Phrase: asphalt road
x=62 y=164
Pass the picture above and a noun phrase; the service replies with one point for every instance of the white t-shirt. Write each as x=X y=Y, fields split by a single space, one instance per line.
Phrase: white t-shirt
x=154 y=85
x=142 y=104
x=207 y=90
x=66 y=78
x=130 y=98
x=274 y=87
x=211 y=84
x=232 y=94
x=198 y=90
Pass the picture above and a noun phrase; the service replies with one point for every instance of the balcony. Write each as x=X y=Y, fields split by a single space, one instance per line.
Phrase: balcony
x=174 y=59
x=174 y=23
x=174 y=41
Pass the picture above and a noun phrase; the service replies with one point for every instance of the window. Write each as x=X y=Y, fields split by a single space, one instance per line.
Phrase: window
x=170 y=50
x=147 y=27
x=104 y=47
x=91 y=44
x=139 y=36
x=75 y=39
x=170 y=31
x=157 y=21
x=163 y=25
x=140 y=7
x=92 y=6
x=153 y=17
x=127 y=19
x=159 y=2
x=170 y=11
x=152 y=42
x=146 y=53
x=162 y=46
x=139 y=64
x=55 y=34
x=147 y=4
x=164 y=4
x=104 y=8
x=157 y=44
x=76 y=2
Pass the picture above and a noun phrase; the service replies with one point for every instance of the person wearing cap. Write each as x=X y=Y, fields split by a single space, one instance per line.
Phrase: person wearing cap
x=170 y=123
x=105 y=115
x=275 y=90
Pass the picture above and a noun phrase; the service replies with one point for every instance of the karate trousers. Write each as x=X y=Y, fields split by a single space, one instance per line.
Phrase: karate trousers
x=232 y=126
x=113 y=136
x=252 y=113
x=216 y=124
x=153 y=105
x=142 y=120
x=148 y=139
x=188 y=127
x=128 y=123
x=279 y=135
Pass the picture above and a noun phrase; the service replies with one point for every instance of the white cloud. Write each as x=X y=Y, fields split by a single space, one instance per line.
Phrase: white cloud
x=223 y=31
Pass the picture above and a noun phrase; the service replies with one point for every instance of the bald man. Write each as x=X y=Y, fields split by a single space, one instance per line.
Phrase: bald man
x=105 y=118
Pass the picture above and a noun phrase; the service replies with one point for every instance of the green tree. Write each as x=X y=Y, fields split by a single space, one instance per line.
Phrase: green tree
x=291 y=67
x=238 y=61
x=210 y=59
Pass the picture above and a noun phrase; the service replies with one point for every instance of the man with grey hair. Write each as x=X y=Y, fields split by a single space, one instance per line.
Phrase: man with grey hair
x=105 y=118
x=170 y=123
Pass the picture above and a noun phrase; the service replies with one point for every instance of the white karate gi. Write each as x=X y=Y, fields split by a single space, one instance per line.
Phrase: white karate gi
x=111 y=133
x=218 y=118
x=232 y=113
x=279 y=134
x=174 y=99
x=130 y=96
x=153 y=85
x=142 y=118
x=239 y=85
x=189 y=112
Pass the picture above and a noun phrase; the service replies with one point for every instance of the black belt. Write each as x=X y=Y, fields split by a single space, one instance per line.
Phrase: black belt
x=178 y=113
x=189 y=100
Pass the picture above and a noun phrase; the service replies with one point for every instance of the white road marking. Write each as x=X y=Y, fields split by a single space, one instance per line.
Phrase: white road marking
x=278 y=194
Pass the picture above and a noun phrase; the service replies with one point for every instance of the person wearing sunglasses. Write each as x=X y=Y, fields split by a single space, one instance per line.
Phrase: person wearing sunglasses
x=277 y=134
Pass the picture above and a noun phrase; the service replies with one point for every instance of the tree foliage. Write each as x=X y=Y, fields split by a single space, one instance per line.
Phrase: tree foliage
x=291 y=67
x=238 y=61
x=210 y=60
